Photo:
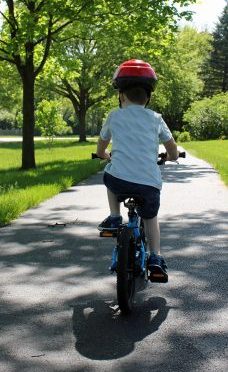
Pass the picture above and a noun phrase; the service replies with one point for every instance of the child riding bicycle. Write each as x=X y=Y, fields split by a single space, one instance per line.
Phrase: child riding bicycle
x=135 y=132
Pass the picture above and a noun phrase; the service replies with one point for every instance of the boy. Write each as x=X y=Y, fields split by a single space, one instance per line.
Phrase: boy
x=135 y=132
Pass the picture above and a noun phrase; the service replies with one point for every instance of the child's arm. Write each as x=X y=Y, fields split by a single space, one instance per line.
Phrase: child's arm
x=171 y=148
x=101 y=149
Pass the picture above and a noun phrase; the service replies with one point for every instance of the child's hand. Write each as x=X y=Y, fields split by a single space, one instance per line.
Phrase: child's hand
x=105 y=155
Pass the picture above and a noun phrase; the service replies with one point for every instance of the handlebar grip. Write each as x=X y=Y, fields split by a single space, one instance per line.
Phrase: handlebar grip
x=182 y=154
x=94 y=156
x=163 y=156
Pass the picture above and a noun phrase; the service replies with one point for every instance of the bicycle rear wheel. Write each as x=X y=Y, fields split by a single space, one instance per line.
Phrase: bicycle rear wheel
x=125 y=270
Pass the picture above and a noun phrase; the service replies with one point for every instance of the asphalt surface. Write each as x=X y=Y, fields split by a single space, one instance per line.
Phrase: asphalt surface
x=58 y=309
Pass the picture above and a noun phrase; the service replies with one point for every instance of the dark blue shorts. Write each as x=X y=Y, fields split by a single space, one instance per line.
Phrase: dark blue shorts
x=149 y=194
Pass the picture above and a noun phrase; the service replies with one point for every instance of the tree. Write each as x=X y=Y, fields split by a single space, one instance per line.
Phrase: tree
x=30 y=26
x=208 y=118
x=82 y=64
x=28 y=31
x=49 y=119
x=216 y=71
x=179 y=73
x=79 y=70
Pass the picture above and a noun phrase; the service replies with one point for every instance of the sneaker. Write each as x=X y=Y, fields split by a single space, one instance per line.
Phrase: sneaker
x=157 y=267
x=110 y=223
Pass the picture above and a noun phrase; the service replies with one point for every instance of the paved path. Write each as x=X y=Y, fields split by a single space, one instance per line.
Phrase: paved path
x=58 y=302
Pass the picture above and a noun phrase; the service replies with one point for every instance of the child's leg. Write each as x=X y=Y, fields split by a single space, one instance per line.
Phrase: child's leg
x=114 y=205
x=156 y=263
x=152 y=232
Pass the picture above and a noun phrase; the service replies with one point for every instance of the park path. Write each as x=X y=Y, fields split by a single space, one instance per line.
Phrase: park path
x=58 y=303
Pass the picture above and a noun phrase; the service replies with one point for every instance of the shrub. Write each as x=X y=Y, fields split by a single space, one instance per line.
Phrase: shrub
x=175 y=134
x=184 y=137
x=208 y=118
x=7 y=120
x=49 y=119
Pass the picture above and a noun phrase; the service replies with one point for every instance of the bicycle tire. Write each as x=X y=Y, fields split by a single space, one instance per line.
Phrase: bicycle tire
x=125 y=270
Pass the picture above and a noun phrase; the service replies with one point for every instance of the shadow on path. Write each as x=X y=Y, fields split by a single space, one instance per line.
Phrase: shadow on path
x=102 y=333
x=48 y=273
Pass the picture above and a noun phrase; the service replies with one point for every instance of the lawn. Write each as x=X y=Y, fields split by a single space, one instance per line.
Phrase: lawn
x=214 y=152
x=59 y=167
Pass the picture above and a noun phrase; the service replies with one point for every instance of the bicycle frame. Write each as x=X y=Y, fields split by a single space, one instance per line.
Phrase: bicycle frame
x=134 y=223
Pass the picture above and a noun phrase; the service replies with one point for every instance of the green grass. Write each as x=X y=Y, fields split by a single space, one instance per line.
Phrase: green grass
x=214 y=152
x=63 y=165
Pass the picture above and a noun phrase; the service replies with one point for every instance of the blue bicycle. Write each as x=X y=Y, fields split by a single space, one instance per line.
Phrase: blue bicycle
x=129 y=257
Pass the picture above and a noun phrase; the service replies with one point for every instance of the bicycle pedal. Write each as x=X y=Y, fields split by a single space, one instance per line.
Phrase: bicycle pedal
x=108 y=234
x=158 y=278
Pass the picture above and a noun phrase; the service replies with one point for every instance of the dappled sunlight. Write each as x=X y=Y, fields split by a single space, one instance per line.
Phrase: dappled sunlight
x=58 y=300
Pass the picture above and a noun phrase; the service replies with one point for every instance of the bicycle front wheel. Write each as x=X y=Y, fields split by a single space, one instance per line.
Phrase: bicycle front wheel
x=125 y=270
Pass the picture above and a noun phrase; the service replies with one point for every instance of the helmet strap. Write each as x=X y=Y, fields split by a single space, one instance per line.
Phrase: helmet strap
x=148 y=101
x=120 y=104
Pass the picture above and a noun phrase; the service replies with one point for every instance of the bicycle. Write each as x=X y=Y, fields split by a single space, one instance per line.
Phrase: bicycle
x=129 y=257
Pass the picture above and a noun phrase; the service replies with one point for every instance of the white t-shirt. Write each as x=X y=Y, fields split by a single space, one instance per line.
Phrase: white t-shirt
x=135 y=132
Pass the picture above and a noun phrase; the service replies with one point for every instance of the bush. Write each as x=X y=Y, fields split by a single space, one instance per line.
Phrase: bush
x=7 y=120
x=208 y=118
x=184 y=137
x=176 y=134
x=49 y=119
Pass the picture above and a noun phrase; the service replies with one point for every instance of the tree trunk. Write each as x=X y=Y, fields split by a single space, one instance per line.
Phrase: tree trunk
x=80 y=112
x=28 y=150
x=82 y=124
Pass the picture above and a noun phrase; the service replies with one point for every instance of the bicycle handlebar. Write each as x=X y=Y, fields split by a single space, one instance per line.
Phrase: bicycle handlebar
x=95 y=156
x=162 y=155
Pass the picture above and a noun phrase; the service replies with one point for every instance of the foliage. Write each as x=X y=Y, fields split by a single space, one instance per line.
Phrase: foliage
x=214 y=152
x=208 y=118
x=179 y=75
x=184 y=137
x=27 y=34
x=81 y=67
x=7 y=120
x=175 y=134
x=10 y=92
x=49 y=119
x=216 y=69
x=31 y=27
x=181 y=136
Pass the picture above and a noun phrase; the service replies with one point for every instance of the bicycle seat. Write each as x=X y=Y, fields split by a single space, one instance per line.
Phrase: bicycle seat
x=137 y=198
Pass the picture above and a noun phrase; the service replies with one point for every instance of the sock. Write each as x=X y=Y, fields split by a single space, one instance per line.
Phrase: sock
x=152 y=233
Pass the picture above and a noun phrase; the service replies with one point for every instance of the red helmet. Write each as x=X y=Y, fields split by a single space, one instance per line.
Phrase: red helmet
x=135 y=72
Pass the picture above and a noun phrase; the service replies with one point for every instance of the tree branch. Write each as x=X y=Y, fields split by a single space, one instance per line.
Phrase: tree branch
x=59 y=91
x=7 y=59
x=92 y=101
x=70 y=91
x=40 y=6
x=14 y=26
x=7 y=19
x=52 y=33
x=4 y=42
x=4 y=51
x=47 y=48
x=61 y=27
